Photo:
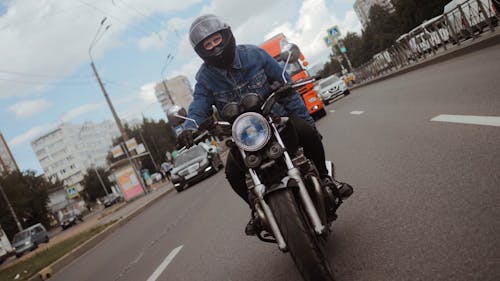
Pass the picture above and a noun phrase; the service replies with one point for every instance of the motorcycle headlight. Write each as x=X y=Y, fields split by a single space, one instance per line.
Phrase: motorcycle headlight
x=251 y=131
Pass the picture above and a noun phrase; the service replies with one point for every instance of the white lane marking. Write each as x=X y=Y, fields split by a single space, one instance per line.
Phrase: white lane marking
x=356 y=112
x=469 y=119
x=332 y=110
x=164 y=264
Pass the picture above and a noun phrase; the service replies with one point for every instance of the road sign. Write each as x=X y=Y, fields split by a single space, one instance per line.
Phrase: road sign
x=328 y=41
x=72 y=192
x=333 y=32
x=131 y=144
x=117 y=151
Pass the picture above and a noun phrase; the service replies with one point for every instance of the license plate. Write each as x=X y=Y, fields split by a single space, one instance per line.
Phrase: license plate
x=191 y=175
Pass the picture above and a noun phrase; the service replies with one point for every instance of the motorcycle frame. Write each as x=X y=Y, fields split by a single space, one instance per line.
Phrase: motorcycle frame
x=259 y=189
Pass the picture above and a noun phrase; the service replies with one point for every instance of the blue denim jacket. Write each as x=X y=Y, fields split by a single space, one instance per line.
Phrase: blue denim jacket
x=253 y=71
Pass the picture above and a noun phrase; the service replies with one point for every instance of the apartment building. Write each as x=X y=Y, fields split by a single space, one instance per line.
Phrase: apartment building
x=66 y=152
x=7 y=161
x=178 y=89
x=362 y=9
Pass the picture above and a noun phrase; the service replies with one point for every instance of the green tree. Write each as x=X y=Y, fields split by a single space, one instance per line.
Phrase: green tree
x=93 y=187
x=331 y=67
x=382 y=31
x=27 y=193
x=411 y=13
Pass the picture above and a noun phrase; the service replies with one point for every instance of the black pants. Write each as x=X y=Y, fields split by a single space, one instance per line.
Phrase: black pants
x=297 y=133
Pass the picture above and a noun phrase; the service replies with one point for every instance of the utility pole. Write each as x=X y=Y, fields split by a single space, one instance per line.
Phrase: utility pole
x=19 y=226
x=167 y=92
x=117 y=119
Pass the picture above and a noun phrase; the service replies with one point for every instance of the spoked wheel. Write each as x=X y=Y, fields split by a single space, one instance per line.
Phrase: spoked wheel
x=305 y=248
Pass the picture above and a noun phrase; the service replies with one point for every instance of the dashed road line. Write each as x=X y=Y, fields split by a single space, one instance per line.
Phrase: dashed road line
x=164 y=264
x=357 y=112
x=332 y=110
x=468 y=119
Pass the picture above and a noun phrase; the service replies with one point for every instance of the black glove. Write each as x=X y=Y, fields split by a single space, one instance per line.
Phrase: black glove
x=185 y=138
x=286 y=90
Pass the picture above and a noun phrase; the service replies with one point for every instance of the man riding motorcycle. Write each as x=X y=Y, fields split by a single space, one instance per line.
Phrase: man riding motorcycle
x=228 y=73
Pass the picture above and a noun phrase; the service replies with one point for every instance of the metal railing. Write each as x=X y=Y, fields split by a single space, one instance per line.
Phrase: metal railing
x=464 y=21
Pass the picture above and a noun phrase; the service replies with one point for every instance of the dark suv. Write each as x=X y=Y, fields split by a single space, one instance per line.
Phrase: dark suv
x=194 y=164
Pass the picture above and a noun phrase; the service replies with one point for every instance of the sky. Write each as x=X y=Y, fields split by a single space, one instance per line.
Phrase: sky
x=45 y=73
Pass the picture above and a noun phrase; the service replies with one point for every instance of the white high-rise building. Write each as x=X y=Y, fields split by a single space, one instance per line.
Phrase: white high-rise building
x=178 y=88
x=7 y=161
x=362 y=9
x=66 y=152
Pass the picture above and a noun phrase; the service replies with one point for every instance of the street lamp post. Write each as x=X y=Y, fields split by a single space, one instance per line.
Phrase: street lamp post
x=167 y=92
x=101 y=85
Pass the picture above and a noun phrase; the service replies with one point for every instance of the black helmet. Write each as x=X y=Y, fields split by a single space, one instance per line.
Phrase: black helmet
x=221 y=56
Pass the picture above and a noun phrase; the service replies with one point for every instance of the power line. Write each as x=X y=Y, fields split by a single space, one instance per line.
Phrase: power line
x=48 y=83
x=44 y=75
x=142 y=15
x=42 y=16
x=113 y=17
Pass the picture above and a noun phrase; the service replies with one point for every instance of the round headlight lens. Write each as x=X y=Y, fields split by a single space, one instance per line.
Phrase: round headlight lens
x=251 y=131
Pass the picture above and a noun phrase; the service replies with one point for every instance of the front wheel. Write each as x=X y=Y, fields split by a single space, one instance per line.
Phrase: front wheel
x=302 y=243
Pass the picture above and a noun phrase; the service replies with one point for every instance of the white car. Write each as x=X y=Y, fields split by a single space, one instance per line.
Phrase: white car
x=331 y=87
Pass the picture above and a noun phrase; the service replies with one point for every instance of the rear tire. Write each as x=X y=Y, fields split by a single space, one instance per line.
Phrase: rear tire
x=302 y=243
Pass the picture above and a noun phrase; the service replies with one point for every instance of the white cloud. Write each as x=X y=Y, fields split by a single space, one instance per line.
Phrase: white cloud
x=61 y=31
x=30 y=134
x=81 y=110
x=147 y=93
x=28 y=108
x=157 y=40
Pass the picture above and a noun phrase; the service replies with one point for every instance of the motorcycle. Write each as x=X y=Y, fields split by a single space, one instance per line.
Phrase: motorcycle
x=296 y=212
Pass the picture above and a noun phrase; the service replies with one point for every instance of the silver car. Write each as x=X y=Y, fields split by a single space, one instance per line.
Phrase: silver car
x=29 y=239
x=330 y=88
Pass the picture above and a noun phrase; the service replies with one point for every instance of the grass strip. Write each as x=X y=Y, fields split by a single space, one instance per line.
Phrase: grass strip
x=34 y=264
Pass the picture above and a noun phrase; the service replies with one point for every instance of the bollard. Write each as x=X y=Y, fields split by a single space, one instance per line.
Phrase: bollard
x=45 y=273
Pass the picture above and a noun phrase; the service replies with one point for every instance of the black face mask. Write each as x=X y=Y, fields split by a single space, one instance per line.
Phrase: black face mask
x=222 y=56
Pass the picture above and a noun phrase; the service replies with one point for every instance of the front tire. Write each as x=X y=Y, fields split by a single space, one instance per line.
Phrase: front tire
x=302 y=243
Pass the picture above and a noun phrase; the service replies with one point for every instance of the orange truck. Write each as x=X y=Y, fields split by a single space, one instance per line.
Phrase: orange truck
x=298 y=72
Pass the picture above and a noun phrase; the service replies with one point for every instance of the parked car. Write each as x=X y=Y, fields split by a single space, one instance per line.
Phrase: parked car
x=331 y=87
x=29 y=239
x=194 y=164
x=110 y=200
x=70 y=218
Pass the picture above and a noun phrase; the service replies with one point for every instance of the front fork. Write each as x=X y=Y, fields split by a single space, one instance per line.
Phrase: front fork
x=265 y=211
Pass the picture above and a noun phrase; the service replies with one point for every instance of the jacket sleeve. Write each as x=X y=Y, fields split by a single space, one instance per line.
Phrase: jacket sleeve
x=294 y=105
x=201 y=106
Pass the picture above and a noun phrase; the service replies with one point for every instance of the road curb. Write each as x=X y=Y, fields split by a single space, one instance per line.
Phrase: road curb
x=474 y=46
x=67 y=259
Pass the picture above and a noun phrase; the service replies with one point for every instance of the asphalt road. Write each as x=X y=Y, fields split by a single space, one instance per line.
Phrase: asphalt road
x=426 y=204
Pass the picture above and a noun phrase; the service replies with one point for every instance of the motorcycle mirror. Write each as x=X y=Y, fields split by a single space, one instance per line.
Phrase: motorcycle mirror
x=176 y=115
x=290 y=53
